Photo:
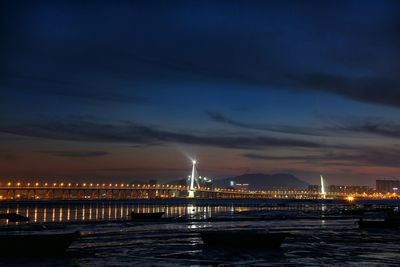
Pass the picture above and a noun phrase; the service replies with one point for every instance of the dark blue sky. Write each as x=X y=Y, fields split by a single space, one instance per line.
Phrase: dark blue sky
x=130 y=89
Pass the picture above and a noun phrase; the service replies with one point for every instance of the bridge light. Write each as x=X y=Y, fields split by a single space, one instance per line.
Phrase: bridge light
x=69 y=184
x=91 y=184
x=18 y=184
x=29 y=184
x=8 y=184
x=110 y=185
x=62 y=184
x=84 y=184
x=54 y=184
x=97 y=185
x=36 y=184
x=103 y=185
x=45 y=184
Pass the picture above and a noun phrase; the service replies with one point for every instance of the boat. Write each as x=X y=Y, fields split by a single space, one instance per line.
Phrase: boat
x=146 y=216
x=36 y=243
x=377 y=224
x=392 y=220
x=243 y=239
x=361 y=210
x=353 y=212
x=14 y=217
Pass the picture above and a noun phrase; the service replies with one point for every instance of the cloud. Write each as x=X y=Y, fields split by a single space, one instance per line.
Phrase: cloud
x=129 y=169
x=352 y=51
x=7 y=156
x=338 y=127
x=128 y=132
x=371 y=89
x=67 y=88
x=221 y=118
x=139 y=146
x=362 y=156
x=379 y=127
x=75 y=154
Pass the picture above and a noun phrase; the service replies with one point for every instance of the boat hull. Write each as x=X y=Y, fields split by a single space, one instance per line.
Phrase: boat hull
x=14 y=217
x=243 y=239
x=36 y=243
x=378 y=224
x=147 y=216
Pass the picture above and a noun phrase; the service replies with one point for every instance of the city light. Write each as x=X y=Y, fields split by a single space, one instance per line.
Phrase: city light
x=200 y=184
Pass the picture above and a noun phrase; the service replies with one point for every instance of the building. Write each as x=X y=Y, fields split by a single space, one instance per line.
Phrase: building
x=241 y=186
x=199 y=181
x=346 y=189
x=350 y=189
x=204 y=182
x=387 y=186
x=234 y=185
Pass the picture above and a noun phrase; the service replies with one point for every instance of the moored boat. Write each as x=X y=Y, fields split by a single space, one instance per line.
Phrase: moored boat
x=377 y=224
x=391 y=220
x=35 y=243
x=146 y=216
x=243 y=239
x=14 y=217
x=356 y=211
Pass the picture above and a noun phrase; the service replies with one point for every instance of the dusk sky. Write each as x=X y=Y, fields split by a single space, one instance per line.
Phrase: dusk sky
x=125 y=90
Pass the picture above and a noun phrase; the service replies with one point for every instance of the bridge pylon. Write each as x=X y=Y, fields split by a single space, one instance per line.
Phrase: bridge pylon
x=192 y=179
x=323 y=192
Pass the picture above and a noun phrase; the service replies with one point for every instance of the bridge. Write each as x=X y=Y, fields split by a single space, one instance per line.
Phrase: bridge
x=127 y=191
x=124 y=191
x=96 y=191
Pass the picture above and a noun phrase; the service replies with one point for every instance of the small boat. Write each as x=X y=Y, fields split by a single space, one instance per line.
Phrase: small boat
x=392 y=220
x=36 y=243
x=146 y=216
x=377 y=224
x=243 y=239
x=356 y=211
x=14 y=217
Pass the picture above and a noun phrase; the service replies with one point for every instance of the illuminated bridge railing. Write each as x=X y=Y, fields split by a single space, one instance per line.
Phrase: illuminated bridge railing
x=69 y=190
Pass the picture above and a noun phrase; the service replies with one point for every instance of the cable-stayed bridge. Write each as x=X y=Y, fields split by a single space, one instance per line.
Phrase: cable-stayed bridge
x=96 y=191
x=125 y=191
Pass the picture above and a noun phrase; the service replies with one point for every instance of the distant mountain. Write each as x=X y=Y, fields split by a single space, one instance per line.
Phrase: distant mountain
x=260 y=181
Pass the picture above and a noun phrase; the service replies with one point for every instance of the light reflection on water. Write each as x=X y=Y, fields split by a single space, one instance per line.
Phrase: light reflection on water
x=106 y=211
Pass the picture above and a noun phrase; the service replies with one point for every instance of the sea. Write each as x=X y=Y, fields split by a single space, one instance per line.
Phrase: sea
x=319 y=234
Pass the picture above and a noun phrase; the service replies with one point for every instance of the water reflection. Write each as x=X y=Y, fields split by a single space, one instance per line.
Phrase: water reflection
x=94 y=211
x=108 y=211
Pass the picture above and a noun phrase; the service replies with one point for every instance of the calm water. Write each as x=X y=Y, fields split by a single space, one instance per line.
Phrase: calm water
x=315 y=242
x=104 y=211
